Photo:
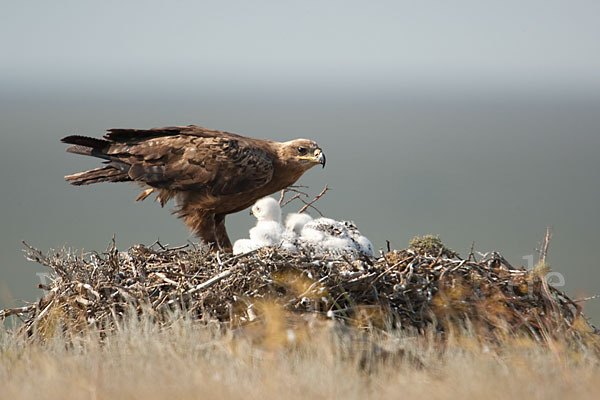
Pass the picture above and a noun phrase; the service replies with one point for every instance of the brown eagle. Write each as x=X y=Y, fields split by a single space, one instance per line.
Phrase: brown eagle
x=209 y=173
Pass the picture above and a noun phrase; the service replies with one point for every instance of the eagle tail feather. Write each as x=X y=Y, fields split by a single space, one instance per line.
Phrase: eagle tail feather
x=85 y=141
x=78 y=149
x=87 y=146
x=103 y=174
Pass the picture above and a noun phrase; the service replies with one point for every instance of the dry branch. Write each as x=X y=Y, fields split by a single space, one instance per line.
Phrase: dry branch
x=300 y=195
x=543 y=251
x=310 y=203
x=16 y=311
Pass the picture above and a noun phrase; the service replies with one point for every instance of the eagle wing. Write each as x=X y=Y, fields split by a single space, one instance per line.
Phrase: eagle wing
x=186 y=158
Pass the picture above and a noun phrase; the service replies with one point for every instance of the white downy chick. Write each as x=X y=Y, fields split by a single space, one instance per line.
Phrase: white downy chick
x=322 y=228
x=363 y=243
x=242 y=246
x=266 y=209
x=295 y=222
x=326 y=236
x=268 y=229
x=321 y=236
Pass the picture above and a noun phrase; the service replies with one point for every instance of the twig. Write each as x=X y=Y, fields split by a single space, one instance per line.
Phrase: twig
x=310 y=203
x=40 y=315
x=543 y=251
x=181 y=247
x=16 y=311
x=36 y=255
x=310 y=288
x=581 y=300
x=281 y=196
x=471 y=254
x=164 y=278
x=294 y=190
x=211 y=281
x=296 y=196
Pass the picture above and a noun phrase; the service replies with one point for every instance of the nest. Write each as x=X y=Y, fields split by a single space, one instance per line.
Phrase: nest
x=425 y=286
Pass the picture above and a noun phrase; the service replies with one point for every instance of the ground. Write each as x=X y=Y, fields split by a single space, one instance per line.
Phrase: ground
x=191 y=360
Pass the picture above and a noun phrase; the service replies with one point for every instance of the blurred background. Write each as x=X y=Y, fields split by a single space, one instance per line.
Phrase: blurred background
x=475 y=120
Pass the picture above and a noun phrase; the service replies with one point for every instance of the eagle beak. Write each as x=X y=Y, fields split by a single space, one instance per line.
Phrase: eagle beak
x=320 y=157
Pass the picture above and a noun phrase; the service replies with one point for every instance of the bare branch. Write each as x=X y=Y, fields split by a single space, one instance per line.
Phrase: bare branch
x=281 y=196
x=310 y=203
x=543 y=250
x=36 y=255
x=292 y=189
x=296 y=196
x=16 y=311
x=583 y=299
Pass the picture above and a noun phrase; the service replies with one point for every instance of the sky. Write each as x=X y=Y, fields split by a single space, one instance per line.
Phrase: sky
x=464 y=42
x=475 y=120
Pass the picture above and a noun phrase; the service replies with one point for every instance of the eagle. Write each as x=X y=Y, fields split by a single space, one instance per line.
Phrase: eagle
x=209 y=173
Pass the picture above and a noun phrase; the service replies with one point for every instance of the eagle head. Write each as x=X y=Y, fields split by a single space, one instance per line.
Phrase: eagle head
x=304 y=152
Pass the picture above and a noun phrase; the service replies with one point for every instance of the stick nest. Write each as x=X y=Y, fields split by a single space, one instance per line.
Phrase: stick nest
x=419 y=288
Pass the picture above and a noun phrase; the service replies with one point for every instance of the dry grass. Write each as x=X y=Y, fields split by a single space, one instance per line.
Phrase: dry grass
x=325 y=361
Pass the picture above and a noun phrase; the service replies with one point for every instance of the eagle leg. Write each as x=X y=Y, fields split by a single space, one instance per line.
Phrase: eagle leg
x=201 y=223
x=221 y=234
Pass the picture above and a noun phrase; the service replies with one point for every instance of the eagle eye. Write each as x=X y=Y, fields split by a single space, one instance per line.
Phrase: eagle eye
x=302 y=150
